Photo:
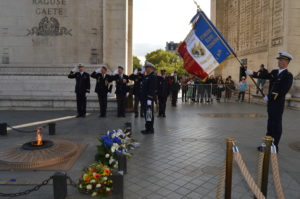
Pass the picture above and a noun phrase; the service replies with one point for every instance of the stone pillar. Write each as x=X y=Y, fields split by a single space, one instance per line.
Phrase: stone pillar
x=115 y=30
x=130 y=35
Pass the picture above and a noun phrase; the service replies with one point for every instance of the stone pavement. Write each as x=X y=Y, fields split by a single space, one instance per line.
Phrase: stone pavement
x=182 y=159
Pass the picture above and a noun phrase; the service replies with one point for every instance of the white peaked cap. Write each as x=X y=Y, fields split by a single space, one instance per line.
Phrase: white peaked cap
x=283 y=54
x=148 y=64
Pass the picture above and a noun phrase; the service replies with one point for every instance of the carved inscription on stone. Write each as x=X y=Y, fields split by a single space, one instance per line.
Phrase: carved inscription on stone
x=247 y=24
x=277 y=22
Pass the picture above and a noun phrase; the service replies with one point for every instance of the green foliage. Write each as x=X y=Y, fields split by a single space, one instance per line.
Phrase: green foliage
x=168 y=61
x=136 y=63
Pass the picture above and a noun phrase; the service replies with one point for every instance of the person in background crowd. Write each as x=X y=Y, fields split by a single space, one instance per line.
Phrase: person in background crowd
x=183 y=83
x=214 y=85
x=195 y=88
x=148 y=96
x=243 y=71
x=200 y=90
x=220 y=88
x=190 y=91
x=102 y=88
x=121 y=90
x=207 y=90
x=243 y=86
x=162 y=93
x=82 y=88
x=229 y=88
x=175 y=87
x=137 y=77
x=261 y=82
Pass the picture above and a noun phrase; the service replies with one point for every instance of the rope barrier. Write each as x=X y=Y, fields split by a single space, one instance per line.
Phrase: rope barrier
x=276 y=176
x=253 y=186
x=221 y=184
x=259 y=168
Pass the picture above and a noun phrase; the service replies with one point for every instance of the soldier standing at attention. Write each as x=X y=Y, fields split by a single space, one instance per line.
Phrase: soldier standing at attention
x=175 y=87
x=82 y=88
x=148 y=96
x=121 y=90
x=137 y=78
x=281 y=81
x=162 y=93
x=102 y=88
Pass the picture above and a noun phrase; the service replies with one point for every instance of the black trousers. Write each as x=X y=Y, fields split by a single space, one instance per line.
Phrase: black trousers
x=162 y=103
x=241 y=95
x=121 y=103
x=174 y=97
x=102 y=98
x=274 y=128
x=184 y=91
x=81 y=103
x=137 y=102
x=149 y=124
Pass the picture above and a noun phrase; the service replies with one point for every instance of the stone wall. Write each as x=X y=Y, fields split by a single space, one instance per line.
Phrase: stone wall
x=257 y=30
x=41 y=40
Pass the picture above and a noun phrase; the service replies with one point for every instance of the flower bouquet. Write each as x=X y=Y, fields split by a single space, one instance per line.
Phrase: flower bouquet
x=113 y=144
x=96 y=180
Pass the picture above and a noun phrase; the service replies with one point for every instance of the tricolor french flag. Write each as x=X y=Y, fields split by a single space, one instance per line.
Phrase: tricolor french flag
x=204 y=49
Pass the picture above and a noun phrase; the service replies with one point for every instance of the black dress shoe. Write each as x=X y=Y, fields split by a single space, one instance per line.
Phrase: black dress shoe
x=164 y=115
x=102 y=115
x=83 y=116
x=136 y=115
x=260 y=148
x=77 y=116
x=147 y=132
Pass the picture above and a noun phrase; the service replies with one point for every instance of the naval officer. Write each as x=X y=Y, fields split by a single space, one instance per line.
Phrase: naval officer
x=281 y=81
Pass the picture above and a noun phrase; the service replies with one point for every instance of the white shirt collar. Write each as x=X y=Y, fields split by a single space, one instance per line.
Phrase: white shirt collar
x=81 y=73
x=281 y=70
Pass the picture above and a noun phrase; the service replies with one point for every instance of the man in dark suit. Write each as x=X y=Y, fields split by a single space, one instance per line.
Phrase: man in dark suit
x=162 y=93
x=175 y=87
x=137 y=78
x=82 y=88
x=102 y=88
x=148 y=94
x=261 y=82
x=281 y=81
x=121 y=90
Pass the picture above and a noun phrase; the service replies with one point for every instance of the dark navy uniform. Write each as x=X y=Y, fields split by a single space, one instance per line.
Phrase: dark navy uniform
x=149 y=93
x=102 y=88
x=175 y=87
x=162 y=94
x=280 y=84
x=137 y=78
x=121 y=91
x=81 y=88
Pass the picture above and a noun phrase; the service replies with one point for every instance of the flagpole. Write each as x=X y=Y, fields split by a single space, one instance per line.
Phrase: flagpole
x=257 y=86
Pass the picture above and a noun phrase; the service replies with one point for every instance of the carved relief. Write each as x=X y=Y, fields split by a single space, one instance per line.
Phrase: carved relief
x=49 y=27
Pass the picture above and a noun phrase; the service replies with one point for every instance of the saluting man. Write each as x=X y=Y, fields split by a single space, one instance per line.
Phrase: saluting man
x=281 y=81
x=121 y=90
x=102 y=88
x=137 y=77
x=82 y=88
x=162 y=93
x=148 y=96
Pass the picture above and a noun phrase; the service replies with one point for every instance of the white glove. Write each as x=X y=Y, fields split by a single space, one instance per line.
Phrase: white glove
x=86 y=94
x=249 y=72
x=143 y=70
x=135 y=71
x=266 y=98
x=98 y=70
x=149 y=102
x=74 y=69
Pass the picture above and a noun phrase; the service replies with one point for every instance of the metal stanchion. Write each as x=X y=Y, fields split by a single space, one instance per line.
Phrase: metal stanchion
x=118 y=185
x=266 y=163
x=60 y=189
x=3 y=129
x=51 y=127
x=229 y=160
x=122 y=163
